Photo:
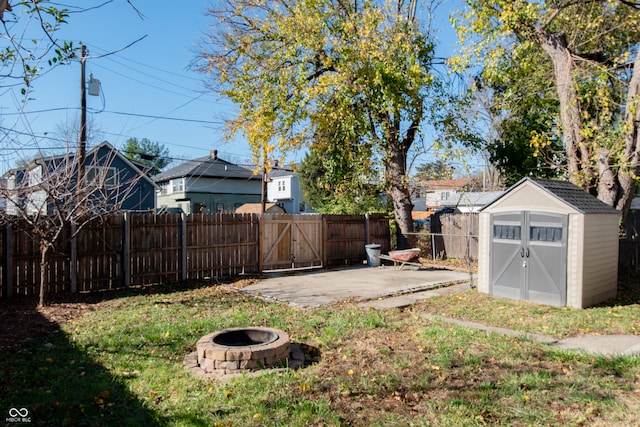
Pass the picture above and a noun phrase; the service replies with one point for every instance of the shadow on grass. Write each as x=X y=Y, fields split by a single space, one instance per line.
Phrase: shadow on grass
x=49 y=381
x=21 y=319
x=47 y=378
x=628 y=294
x=150 y=289
x=312 y=355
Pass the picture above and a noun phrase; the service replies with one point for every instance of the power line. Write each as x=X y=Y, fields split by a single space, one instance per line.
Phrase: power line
x=149 y=116
x=57 y=139
x=156 y=117
x=146 y=66
x=147 y=75
x=142 y=82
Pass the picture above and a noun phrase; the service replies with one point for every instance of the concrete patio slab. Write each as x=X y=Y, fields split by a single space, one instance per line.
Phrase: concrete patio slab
x=408 y=299
x=324 y=287
x=388 y=287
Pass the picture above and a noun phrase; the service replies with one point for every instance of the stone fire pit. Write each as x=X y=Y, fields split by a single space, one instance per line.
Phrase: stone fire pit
x=242 y=350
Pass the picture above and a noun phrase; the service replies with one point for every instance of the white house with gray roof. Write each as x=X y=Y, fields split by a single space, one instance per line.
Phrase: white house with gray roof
x=207 y=184
x=283 y=189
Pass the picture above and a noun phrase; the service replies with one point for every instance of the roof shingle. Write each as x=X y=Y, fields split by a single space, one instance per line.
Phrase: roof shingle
x=207 y=167
x=569 y=193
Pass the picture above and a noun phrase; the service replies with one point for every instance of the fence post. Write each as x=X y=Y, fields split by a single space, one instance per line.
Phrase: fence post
x=182 y=266
x=7 y=262
x=73 y=259
x=126 y=251
x=260 y=243
x=366 y=229
x=325 y=233
x=433 y=246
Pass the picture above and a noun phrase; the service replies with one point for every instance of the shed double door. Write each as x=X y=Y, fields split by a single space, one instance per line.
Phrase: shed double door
x=529 y=256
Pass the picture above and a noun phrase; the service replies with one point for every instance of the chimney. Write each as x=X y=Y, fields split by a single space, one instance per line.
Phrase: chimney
x=214 y=154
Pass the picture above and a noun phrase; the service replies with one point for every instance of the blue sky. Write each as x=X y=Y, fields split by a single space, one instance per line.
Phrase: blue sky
x=148 y=89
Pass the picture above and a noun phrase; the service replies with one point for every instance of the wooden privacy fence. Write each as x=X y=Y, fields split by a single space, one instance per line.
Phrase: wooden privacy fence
x=454 y=236
x=629 y=248
x=139 y=249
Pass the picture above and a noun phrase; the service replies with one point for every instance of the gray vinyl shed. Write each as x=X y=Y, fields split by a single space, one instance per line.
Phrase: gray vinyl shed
x=548 y=242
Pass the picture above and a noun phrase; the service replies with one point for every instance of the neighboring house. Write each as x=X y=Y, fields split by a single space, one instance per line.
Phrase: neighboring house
x=106 y=168
x=471 y=201
x=435 y=194
x=283 y=188
x=207 y=184
x=12 y=199
x=428 y=196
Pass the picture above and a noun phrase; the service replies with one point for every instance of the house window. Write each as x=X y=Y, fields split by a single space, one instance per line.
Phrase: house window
x=444 y=195
x=35 y=176
x=164 y=188
x=282 y=185
x=178 y=185
x=101 y=176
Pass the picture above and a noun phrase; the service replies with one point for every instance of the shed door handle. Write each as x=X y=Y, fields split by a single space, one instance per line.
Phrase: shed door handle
x=521 y=252
x=527 y=253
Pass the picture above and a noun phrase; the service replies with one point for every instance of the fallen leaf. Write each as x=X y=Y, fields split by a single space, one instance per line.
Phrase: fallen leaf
x=304 y=387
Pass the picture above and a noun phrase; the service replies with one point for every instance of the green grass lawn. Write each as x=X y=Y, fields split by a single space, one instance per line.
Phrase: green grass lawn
x=122 y=364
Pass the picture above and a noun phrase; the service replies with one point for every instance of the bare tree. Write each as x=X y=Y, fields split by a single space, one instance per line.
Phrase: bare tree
x=46 y=200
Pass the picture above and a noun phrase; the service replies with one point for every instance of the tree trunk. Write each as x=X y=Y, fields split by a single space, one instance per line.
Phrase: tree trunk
x=607 y=185
x=402 y=208
x=578 y=156
x=44 y=264
x=631 y=151
x=396 y=170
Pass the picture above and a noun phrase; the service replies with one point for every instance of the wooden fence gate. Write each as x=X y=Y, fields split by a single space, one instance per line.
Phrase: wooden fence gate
x=290 y=242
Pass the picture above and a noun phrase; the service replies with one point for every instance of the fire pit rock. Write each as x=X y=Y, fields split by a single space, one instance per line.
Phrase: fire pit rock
x=242 y=350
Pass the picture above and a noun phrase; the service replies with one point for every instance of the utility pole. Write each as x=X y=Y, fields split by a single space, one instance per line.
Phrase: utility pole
x=263 y=200
x=82 y=141
x=263 y=197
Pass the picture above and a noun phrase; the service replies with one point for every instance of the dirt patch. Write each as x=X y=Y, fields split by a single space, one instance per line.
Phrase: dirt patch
x=22 y=319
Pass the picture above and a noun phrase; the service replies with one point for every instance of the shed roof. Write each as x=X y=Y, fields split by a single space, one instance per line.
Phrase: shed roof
x=257 y=208
x=566 y=192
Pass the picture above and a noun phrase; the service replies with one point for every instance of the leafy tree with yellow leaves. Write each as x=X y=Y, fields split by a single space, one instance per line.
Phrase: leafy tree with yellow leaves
x=302 y=70
x=589 y=52
x=340 y=179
